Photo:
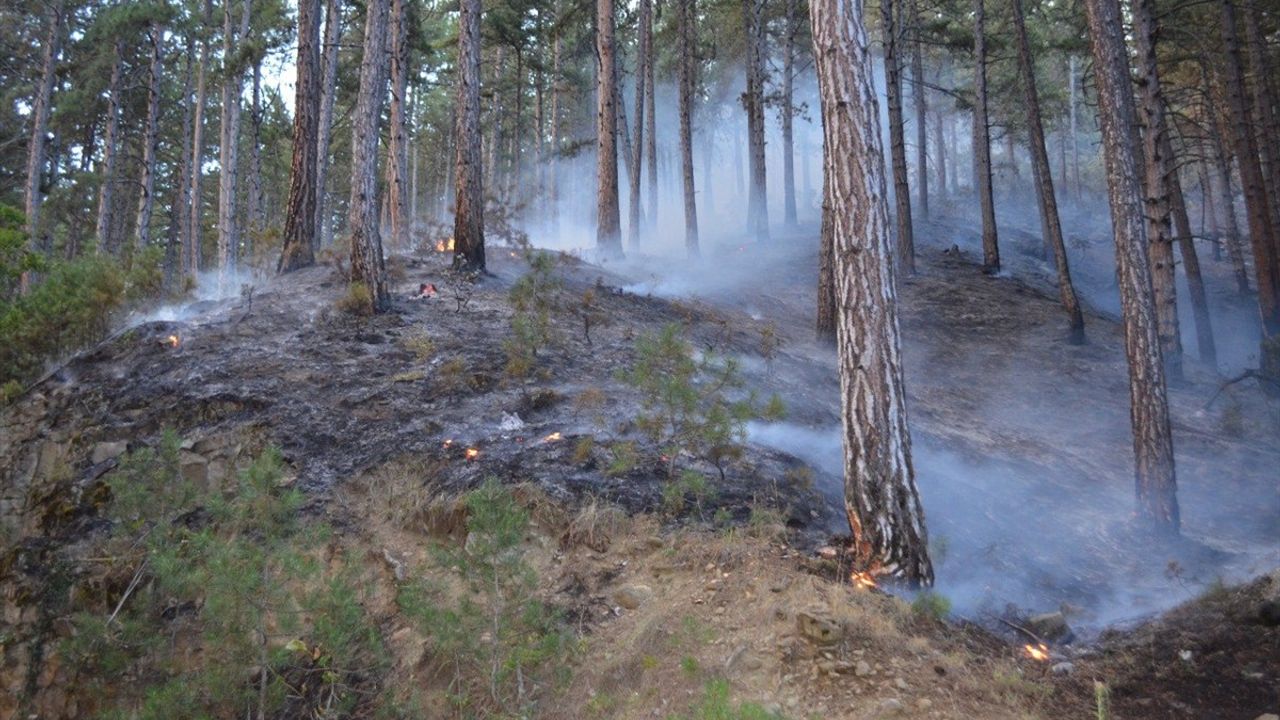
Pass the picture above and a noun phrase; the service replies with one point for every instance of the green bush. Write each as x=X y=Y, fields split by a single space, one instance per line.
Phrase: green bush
x=16 y=257
x=533 y=297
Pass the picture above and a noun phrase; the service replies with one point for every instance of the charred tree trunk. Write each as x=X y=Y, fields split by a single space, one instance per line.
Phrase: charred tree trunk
x=885 y=514
x=1155 y=479
x=193 y=250
x=608 y=220
x=637 y=150
x=106 y=191
x=300 y=220
x=1190 y=259
x=1050 y=223
x=982 y=144
x=897 y=141
x=41 y=107
x=922 y=111
x=323 y=236
x=1257 y=204
x=1156 y=186
x=787 y=112
x=398 y=147
x=147 y=183
x=1264 y=112
x=367 y=265
x=753 y=102
x=468 y=217
x=686 y=18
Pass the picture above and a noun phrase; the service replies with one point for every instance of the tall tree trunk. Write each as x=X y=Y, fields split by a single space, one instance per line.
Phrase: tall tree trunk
x=1264 y=98
x=897 y=142
x=367 y=264
x=608 y=220
x=106 y=192
x=1190 y=259
x=300 y=220
x=398 y=147
x=1229 y=230
x=982 y=144
x=922 y=110
x=792 y=19
x=557 y=87
x=468 y=217
x=228 y=160
x=1155 y=479
x=753 y=102
x=323 y=236
x=147 y=183
x=885 y=514
x=1257 y=204
x=940 y=146
x=686 y=16
x=637 y=151
x=1050 y=223
x=257 y=201
x=827 y=320
x=192 y=251
x=651 y=123
x=1071 y=112
x=41 y=106
x=180 y=210
x=1156 y=186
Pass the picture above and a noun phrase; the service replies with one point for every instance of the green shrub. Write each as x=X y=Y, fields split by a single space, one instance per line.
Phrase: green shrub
x=357 y=300
x=931 y=605
x=533 y=297
x=716 y=705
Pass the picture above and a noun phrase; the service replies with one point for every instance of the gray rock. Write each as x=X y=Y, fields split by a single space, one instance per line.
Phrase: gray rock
x=1051 y=627
x=818 y=629
x=632 y=596
x=105 y=451
x=862 y=669
x=1063 y=668
x=892 y=705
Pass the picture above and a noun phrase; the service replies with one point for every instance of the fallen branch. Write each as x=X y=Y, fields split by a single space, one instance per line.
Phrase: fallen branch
x=1250 y=373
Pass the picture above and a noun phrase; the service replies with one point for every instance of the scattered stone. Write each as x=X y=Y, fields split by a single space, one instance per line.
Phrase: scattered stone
x=924 y=703
x=632 y=596
x=1051 y=627
x=863 y=669
x=1268 y=716
x=900 y=683
x=105 y=451
x=892 y=705
x=820 y=630
x=194 y=468
x=1063 y=668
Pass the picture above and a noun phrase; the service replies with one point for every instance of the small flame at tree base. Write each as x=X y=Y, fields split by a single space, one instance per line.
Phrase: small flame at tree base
x=173 y=341
x=1038 y=651
x=863 y=580
x=472 y=453
x=444 y=245
x=553 y=437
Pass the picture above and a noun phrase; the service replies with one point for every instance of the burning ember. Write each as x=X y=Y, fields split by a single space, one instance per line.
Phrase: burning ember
x=553 y=437
x=444 y=245
x=173 y=341
x=1038 y=651
x=425 y=290
x=863 y=580
x=448 y=443
x=472 y=453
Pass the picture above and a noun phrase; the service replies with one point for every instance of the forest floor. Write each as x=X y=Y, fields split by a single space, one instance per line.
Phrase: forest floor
x=1021 y=448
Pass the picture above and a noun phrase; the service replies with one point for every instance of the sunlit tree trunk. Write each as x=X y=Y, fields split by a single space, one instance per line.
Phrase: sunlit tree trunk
x=367 y=264
x=468 y=217
x=147 y=183
x=608 y=220
x=300 y=218
x=398 y=145
x=922 y=110
x=686 y=15
x=885 y=515
x=982 y=144
x=110 y=142
x=897 y=142
x=757 y=194
x=1156 y=186
x=323 y=236
x=1155 y=480
x=41 y=106
x=1050 y=223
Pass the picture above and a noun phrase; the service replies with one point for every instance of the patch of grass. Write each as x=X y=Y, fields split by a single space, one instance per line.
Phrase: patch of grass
x=716 y=704
x=623 y=458
x=1101 y=700
x=420 y=344
x=689 y=666
x=932 y=605
x=582 y=450
x=408 y=376
x=357 y=300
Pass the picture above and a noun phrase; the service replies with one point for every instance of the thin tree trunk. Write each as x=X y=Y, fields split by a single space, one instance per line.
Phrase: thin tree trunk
x=1075 y=143
x=608 y=220
x=468 y=218
x=637 y=151
x=300 y=220
x=1155 y=480
x=106 y=191
x=1229 y=230
x=940 y=155
x=687 y=19
x=922 y=110
x=192 y=251
x=41 y=107
x=757 y=198
x=147 y=183
x=367 y=264
x=180 y=210
x=897 y=142
x=228 y=174
x=1159 y=228
x=651 y=123
x=398 y=147
x=792 y=20
x=1050 y=223
x=557 y=87
x=1257 y=204
x=257 y=202
x=323 y=237
x=827 y=320
x=1190 y=259
x=982 y=144
x=883 y=505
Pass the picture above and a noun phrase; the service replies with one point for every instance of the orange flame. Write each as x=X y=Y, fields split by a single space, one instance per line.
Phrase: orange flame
x=173 y=341
x=553 y=437
x=863 y=580
x=1038 y=652
x=444 y=245
x=472 y=453
x=448 y=443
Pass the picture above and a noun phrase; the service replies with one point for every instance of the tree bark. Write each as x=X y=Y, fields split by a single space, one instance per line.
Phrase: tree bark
x=608 y=220
x=1156 y=187
x=300 y=220
x=922 y=110
x=1229 y=230
x=827 y=320
x=1264 y=112
x=468 y=217
x=257 y=201
x=557 y=87
x=686 y=16
x=897 y=141
x=651 y=123
x=1071 y=112
x=637 y=151
x=106 y=191
x=192 y=250
x=398 y=145
x=1257 y=204
x=180 y=210
x=982 y=144
x=792 y=20
x=753 y=103
x=228 y=160
x=147 y=183
x=885 y=514
x=1190 y=259
x=367 y=264
x=1050 y=223
x=1155 y=480
x=323 y=236
x=41 y=107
